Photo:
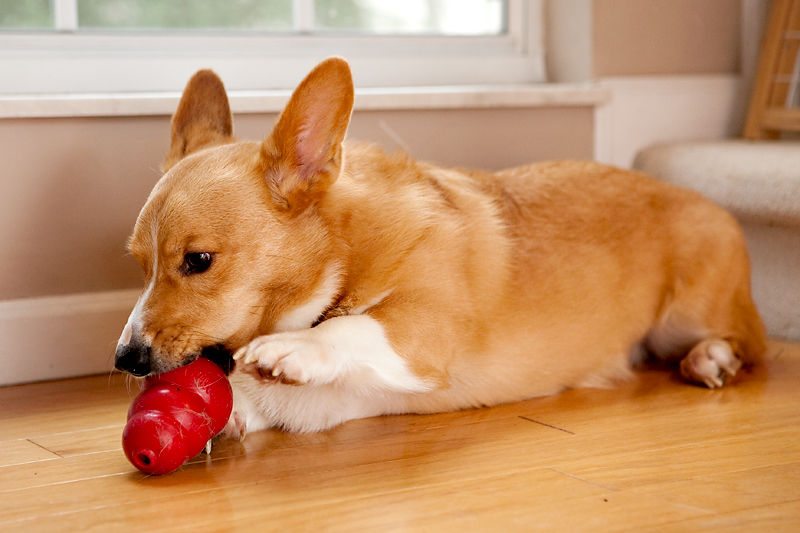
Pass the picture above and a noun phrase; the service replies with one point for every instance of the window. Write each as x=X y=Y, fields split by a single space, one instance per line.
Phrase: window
x=91 y=46
x=381 y=17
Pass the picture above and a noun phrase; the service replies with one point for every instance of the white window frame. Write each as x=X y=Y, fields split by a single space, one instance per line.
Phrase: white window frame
x=81 y=63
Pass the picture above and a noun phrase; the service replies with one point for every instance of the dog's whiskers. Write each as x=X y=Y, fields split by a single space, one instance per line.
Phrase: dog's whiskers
x=129 y=379
x=257 y=310
x=191 y=332
x=282 y=257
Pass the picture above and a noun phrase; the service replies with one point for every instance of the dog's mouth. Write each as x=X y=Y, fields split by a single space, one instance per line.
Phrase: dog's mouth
x=221 y=356
x=137 y=358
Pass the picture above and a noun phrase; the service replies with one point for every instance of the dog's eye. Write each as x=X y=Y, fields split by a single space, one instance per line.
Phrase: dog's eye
x=196 y=263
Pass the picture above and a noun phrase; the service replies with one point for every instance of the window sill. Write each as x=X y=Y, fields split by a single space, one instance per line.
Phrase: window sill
x=373 y=99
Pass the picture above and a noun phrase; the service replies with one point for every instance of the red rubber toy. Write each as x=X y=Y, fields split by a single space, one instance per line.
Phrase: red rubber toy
x=175 y=415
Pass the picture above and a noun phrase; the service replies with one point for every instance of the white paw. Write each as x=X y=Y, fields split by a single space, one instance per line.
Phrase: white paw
x=236 y=428
x=710 y=362
x=292 y=358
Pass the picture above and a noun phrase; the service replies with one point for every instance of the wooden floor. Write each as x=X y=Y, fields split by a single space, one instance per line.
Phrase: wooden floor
x=653 y=455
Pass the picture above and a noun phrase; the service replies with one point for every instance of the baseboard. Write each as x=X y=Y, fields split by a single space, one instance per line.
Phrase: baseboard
x=647 y=110
x=58 y=337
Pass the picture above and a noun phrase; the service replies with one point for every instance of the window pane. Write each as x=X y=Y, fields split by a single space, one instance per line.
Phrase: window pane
x=258 y=15
x=412 y=17
x=26 y=14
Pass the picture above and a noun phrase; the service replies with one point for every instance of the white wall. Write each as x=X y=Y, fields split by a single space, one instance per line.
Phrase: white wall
x=647 y=110
x=71 y=189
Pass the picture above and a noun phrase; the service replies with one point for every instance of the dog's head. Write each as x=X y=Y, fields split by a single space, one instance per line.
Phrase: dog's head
x=230 y=239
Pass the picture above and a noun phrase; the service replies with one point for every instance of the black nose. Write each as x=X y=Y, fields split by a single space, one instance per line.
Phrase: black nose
x=133 y=358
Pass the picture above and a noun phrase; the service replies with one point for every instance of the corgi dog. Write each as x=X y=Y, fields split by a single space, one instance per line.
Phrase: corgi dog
x=341 y=282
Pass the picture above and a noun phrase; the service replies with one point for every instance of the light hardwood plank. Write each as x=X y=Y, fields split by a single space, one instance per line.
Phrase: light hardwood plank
x=62 y=406
x=83 y=441
x=654 y=453
x=23 y=451
x=780 y=518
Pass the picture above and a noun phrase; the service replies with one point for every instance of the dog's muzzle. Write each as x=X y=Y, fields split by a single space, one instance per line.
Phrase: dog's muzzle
x=134 y=358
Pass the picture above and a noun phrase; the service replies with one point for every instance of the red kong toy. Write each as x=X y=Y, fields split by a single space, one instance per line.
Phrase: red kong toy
x=175 y=415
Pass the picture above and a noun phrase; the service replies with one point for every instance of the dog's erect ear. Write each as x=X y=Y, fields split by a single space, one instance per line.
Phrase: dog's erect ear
x=203 y=118
x=303 y=155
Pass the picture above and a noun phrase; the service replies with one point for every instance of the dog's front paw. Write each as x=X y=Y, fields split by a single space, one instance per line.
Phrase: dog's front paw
x=710 y=362
x=290 y=358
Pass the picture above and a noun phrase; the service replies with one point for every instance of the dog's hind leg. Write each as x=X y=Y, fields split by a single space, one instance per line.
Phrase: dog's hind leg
x=710 y=351
x=708 y=320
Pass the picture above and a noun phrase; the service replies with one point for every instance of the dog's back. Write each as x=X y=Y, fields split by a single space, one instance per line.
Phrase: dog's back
x=552 y=275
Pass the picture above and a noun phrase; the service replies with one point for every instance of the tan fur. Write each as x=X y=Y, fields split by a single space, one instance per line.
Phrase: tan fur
x=491 y=287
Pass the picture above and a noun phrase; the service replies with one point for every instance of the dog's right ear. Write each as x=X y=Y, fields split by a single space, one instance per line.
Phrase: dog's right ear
x=203 y=118
x=302 y=156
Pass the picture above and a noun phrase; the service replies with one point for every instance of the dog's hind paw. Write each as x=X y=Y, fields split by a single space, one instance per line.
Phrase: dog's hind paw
x=710 y=362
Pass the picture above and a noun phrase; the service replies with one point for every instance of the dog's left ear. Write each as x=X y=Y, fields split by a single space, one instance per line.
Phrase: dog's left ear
x=303 y=155
x=203 y=118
